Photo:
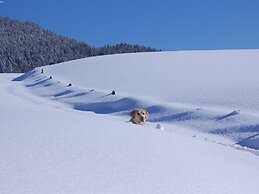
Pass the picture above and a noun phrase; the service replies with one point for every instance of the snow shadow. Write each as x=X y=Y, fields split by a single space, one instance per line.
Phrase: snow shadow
x=251 y=142
x=239 y=129
x=109 y=106
x=49 y=84
x=70 y=94
x=63 y=93
x=235 y=112
x=157 y=109
x=181 y=116
x=25 y=76
x=37 y=83
x=79 y=94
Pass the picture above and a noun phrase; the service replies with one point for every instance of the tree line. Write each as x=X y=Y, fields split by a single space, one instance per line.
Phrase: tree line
x=25 y=45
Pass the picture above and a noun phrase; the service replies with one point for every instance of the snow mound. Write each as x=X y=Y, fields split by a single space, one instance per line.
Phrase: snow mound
x=159 y=126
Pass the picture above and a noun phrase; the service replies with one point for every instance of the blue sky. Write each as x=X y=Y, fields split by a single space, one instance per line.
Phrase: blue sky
x=163 y=24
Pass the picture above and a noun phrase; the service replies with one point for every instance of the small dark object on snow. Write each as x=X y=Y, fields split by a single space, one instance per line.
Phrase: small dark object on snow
x=41 y=70
x=113 y=92
x=50 y=77
x=69 y=85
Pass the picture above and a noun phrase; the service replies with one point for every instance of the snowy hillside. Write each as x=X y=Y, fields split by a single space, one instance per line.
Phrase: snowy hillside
x=57 y=138
x=211 y=91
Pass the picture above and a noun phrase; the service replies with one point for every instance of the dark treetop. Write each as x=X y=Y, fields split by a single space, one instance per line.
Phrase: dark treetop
x=25 y=45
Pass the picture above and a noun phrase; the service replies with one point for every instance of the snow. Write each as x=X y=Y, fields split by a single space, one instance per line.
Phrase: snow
x=251 y=142
x=209 y=91
x=159 y=126
x=202 y=134
x=201 y=78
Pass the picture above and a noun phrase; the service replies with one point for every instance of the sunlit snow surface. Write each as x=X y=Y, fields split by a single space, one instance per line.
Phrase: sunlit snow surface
x=201 y=136
x=211 y=91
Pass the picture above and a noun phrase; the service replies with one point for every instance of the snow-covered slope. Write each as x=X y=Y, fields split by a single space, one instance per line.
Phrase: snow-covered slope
x=210 y=91
x=52 y=140
x=225 y=79
x=47 y=147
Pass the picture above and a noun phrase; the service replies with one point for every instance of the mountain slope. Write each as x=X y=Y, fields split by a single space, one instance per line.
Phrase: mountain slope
x=214 y=92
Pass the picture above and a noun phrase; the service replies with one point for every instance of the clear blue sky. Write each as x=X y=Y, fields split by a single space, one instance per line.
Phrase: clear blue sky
x=163 y=24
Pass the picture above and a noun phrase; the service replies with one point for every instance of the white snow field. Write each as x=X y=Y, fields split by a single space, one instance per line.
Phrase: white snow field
x=202 y=135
